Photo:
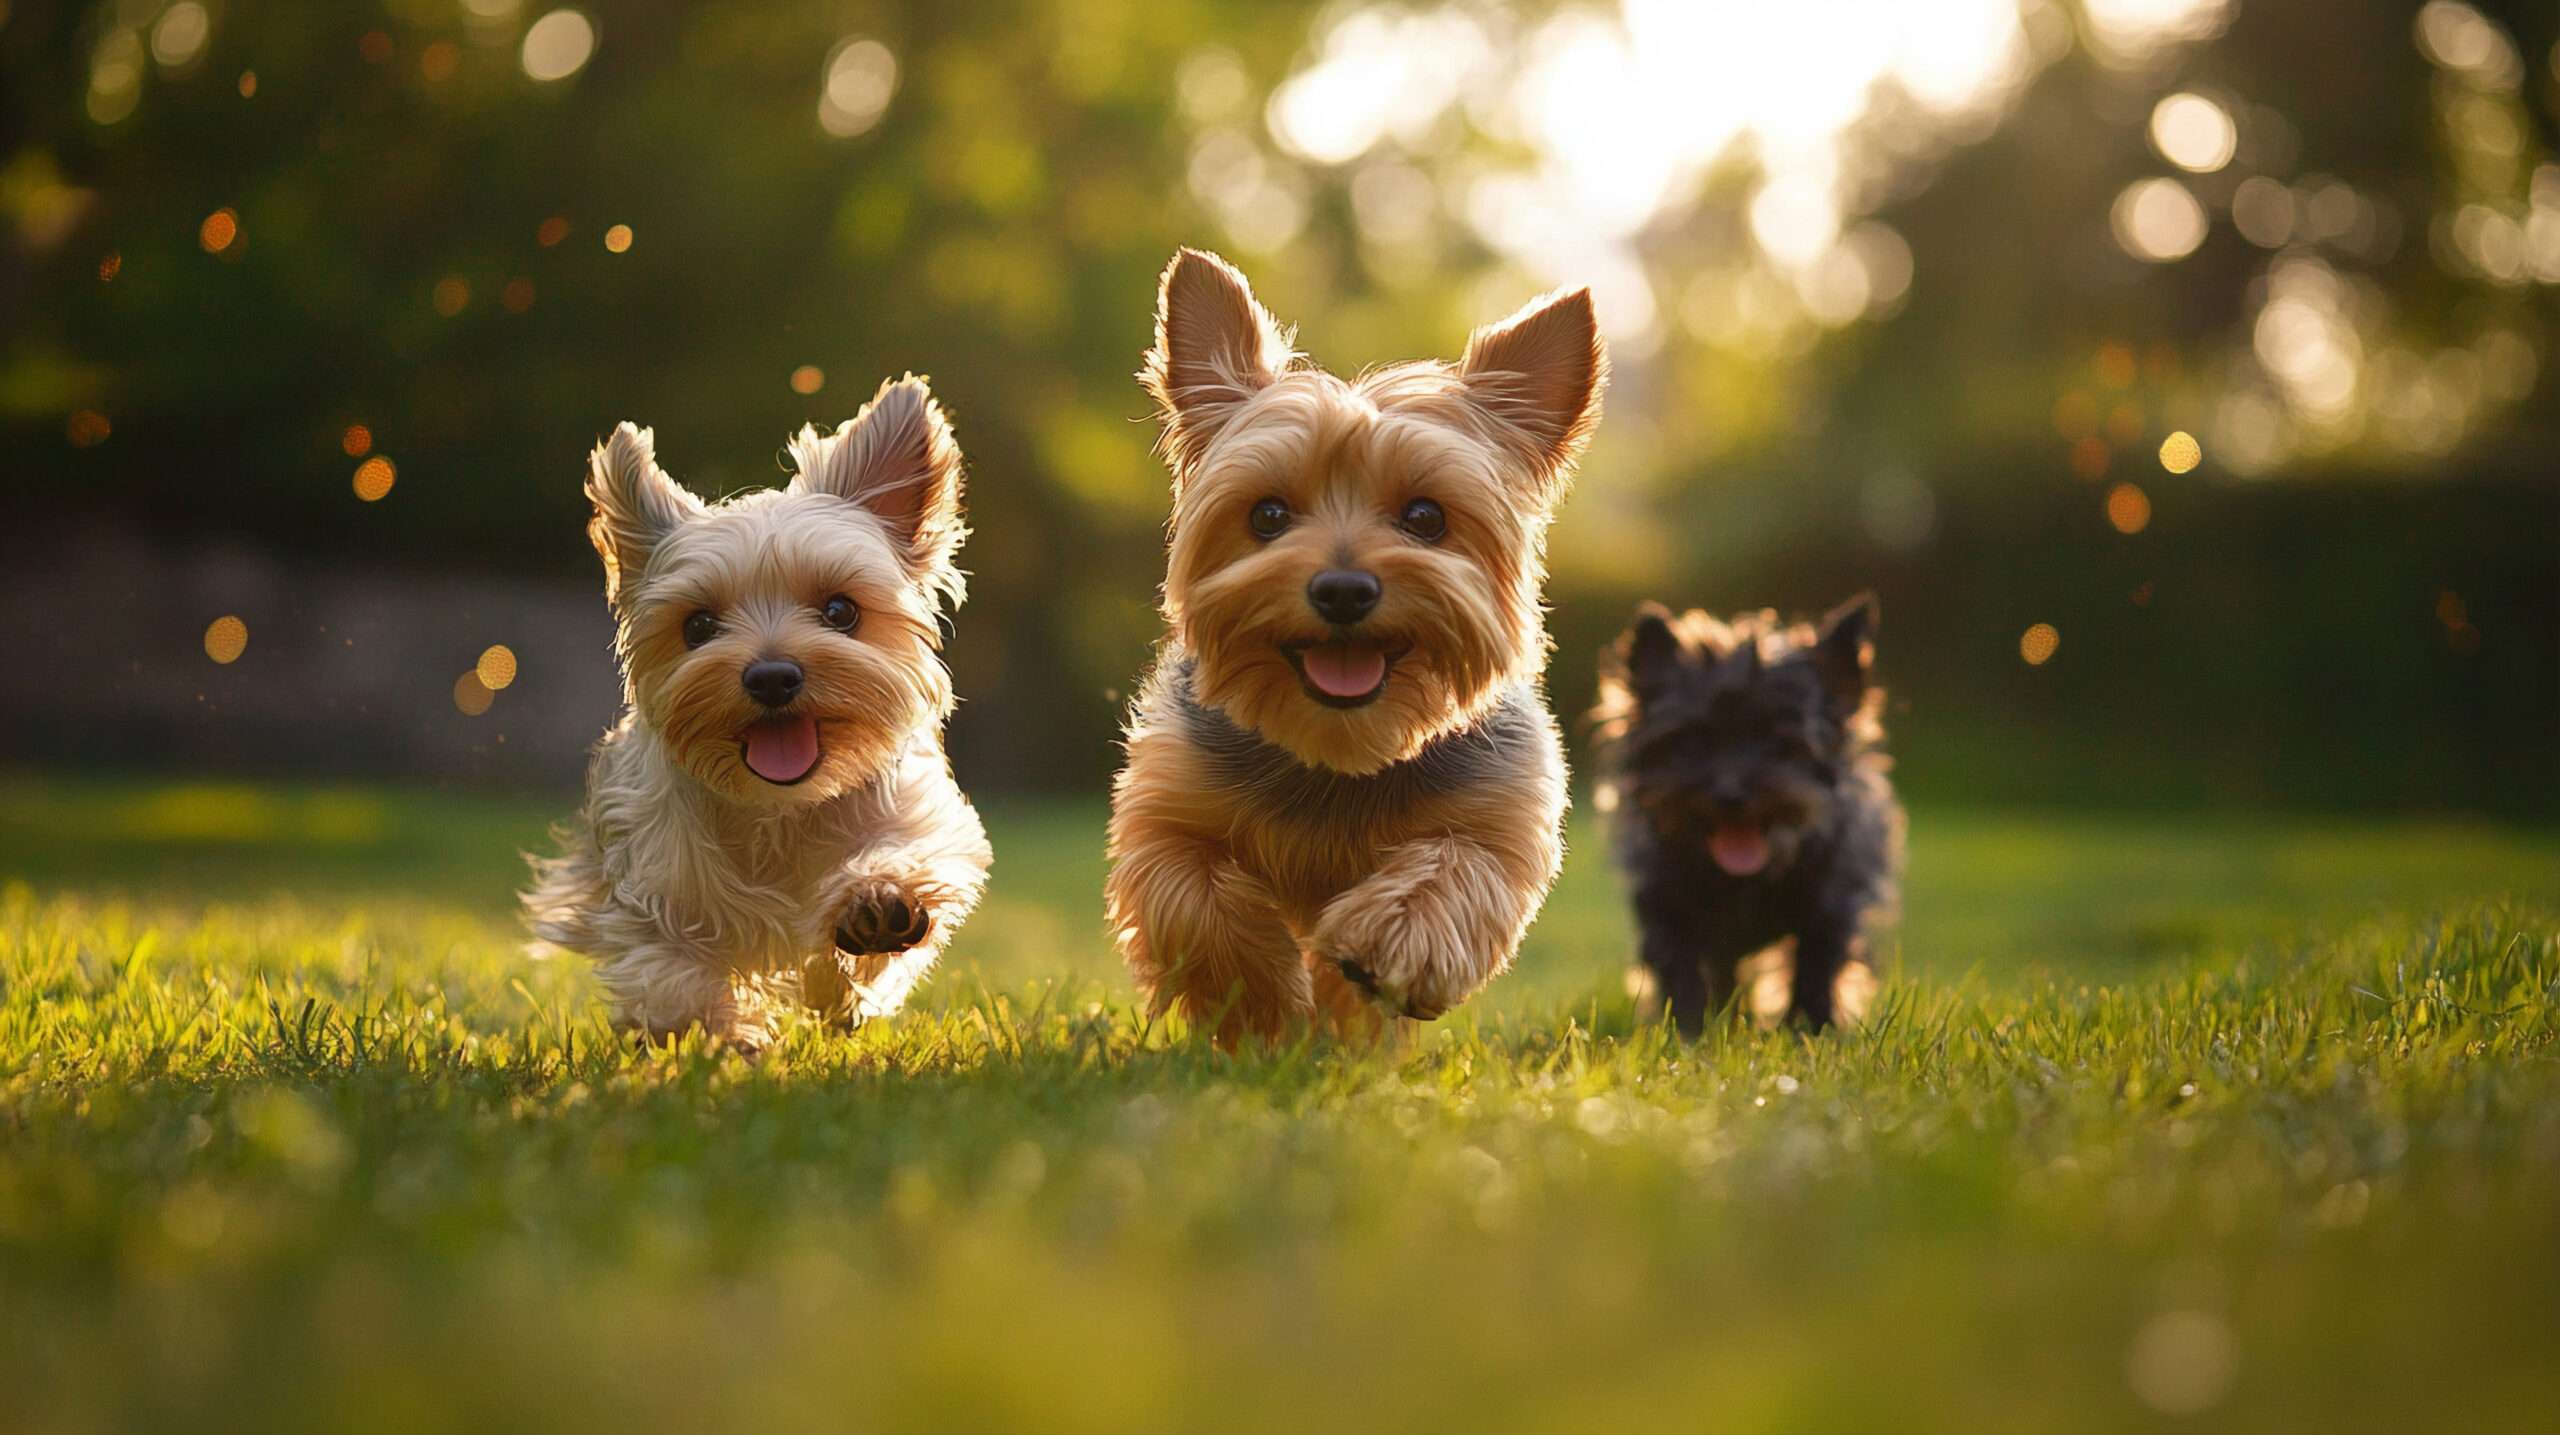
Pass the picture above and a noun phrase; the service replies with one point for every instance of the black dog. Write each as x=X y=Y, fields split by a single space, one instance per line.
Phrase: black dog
x=1751 y=801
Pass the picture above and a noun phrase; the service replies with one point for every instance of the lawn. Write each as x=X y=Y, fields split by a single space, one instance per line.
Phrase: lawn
x=2230 y=1123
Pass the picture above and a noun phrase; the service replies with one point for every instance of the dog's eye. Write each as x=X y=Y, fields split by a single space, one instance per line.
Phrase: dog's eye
x=839 y=613
x=1424 y=520
x=700 y=628
x=1269 y=518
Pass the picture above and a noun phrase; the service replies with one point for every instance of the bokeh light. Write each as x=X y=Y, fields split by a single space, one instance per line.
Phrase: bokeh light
x=178 y=40
x=219 y=231
x=861 y=75
x=2193 y=133
x=2182 y=1362
x=496 y=668
x=2180 y=453
x=472 y=696
x=2158 y=220
x=558 y=45
x=110 y=267
x=452 y=295
x=2038 y=644
x=248 y=84
x=225 y=639
x=115 y=76
x=2262 y=210
x=375 y=46
x=552 y=231
x=356 y=441
x=87 y=428
x=374 y=478
x=617 y=239
x=2460 y=38
x=808 y=379
x=517 y=296
x=2128 y=508
x=438 y=62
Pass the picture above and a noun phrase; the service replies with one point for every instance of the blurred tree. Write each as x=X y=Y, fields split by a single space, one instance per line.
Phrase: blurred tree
x=1869 y=270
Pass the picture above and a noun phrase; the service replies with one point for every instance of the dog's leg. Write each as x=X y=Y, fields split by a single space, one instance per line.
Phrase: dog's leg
x=1694 y=987
x=662 y=992
x=895 y=921
x=1439 y=918
x=898 y=904
x=1202 y=935
x=1822 y=950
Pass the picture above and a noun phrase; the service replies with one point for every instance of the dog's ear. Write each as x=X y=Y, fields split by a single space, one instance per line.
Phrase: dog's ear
x=1538 y=375
x=1846 y=650
x=898 y=459
x=1647 y=655
x=636 y=504
x=1216 y=347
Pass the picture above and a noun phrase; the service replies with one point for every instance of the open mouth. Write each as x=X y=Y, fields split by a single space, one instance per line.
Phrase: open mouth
x=782 y=749
x=1740 y=847
x=1342 y=672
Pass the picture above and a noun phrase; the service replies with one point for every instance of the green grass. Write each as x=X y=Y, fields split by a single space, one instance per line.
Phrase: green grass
x=2250 y=1117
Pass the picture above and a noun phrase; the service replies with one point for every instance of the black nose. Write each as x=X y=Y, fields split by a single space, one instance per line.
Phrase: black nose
x=1343 y=595
x=773 y=682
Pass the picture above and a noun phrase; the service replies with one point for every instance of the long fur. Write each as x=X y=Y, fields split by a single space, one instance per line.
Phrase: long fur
x=1424 y=829
x=705 y=894
x=1770 y=728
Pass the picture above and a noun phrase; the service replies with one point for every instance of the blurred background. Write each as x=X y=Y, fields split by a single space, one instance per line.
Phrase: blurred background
x=2178 y=372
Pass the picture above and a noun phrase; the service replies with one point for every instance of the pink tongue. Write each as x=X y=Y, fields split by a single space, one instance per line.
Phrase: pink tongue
x=783 y=749
x=1344 y=670
x=1739 y=848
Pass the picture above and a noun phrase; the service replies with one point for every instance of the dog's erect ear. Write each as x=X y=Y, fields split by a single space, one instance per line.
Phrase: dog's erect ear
x=1539 y=374
x=1649 y=652
x=1846 y=650
x=1215 y=349
x=898 y=459
x=636 y=504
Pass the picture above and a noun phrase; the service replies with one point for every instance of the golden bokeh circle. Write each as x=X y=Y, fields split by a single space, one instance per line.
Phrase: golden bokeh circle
x=496 y=668
x=2128 y=508
x=552 y=231
x=471 y=696
x=217 y=232
x=617 y=239
x=2038 y=644
x=225 y=639
x=357 y=441
x=808 y=379
x=2180 y=453
x=374 y=478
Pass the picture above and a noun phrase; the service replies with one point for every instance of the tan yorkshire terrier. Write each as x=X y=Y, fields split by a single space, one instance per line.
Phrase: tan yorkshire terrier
x=772 y=819
x=1344 y=794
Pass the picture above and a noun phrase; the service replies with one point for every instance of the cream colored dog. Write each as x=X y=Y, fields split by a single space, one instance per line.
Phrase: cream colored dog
x=773 y=818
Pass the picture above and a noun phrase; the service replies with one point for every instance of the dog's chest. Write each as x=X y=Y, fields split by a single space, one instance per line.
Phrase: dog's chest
x=1310 y=833
x=758 y=894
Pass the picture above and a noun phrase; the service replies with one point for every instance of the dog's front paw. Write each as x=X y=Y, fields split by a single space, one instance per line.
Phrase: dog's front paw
x=1402 y=998
x=882 y=916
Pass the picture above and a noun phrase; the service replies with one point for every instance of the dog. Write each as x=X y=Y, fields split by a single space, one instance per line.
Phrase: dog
x=1343 y=795
x=773 y=818
x=1741 y=767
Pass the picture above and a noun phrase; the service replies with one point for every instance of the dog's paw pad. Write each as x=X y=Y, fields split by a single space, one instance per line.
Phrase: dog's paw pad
x=1366 y=980
x=883 y=920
